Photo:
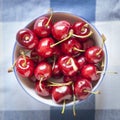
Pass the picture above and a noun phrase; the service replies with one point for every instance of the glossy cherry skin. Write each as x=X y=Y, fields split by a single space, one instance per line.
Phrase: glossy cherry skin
x=89 y=71
x=61 y=93
x=43 y=71
x=42 y=89
x=25 y=70
x=40 y=27
x=56 y=71
x=68 y=47
x=26 y=38
x=80 y=29
x=68 y=65
x=81 y=61
x=44 y=49
x=60 y=29
x=88 y=43
x=92 y=55
x=80 y=86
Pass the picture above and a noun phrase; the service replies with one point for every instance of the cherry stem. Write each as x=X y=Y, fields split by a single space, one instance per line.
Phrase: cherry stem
x=103 y=41
x=51 y=14
x=11 y=68
x=40 y=83
x=85 y=36
x=70 y=35
x=107 y=72
x=74 y=110
x=59 y=84
x=53 y=66
x=24 y=57
x=26 y=37
x=74 y=48
x=63 y=108
x=73 y=64
x=92 y=92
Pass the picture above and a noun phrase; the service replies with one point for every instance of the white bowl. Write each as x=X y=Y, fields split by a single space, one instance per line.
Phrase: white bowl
x=29 y=86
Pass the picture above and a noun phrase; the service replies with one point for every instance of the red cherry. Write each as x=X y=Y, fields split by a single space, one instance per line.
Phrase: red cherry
x=35 y=57
x=56 y=71
x=24 y=66
x=81 y=61
x=43 y=71
x=89 y=71
x=41 y=28
x=94 y=54
x=61 y=93
x=82 y=29
x=69 y=46
x=60 y=29
x=42 y=89
x=68 y=65
x=44 y=49
x=81 y=86
x=27 y=38
x=88 y=43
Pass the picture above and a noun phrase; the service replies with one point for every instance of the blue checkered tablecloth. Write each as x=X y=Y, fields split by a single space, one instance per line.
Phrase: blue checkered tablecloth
x=15 y=104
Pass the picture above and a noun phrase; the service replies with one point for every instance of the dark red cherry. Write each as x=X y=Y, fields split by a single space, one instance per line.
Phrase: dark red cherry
x=81 y=88
x=89 y=71
x=61 y=93
x=88 y=43
x=69 y=47
x=26 y=38
x=35 y=57
x=24 y=66
x=81 y=61
x=41 y=28
x=68 y=65
x=44 y=49
x=42 y=89
x=60 y=29
x=94 y=54
x=43 y=71
x=56 y=71
x=82 y=29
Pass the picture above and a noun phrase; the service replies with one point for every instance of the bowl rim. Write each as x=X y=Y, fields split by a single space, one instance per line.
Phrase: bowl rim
x=94 y=88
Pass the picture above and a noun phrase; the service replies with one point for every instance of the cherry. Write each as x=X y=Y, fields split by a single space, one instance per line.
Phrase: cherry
x=26 y=38
x=61 y=93
x=82 y=29
x=94 y=54
x=24 y=66
x=42 y=26
x=42 y=89
x=56 y=71
x=89 y=71
x=71 y=47
x=60 y=29
x=44 y=49
x=81 y=61
x=81 y=88
x=43 y=71
x=68 y=65
x=35 y=57
x=88 y=43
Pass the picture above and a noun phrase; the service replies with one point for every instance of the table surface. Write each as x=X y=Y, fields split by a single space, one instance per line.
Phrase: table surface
x=15 y=103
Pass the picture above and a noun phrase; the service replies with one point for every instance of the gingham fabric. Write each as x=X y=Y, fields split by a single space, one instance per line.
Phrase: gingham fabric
x=15 y=104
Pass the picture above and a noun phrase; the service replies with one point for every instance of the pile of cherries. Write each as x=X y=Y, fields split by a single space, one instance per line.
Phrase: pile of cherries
x=62 y=59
